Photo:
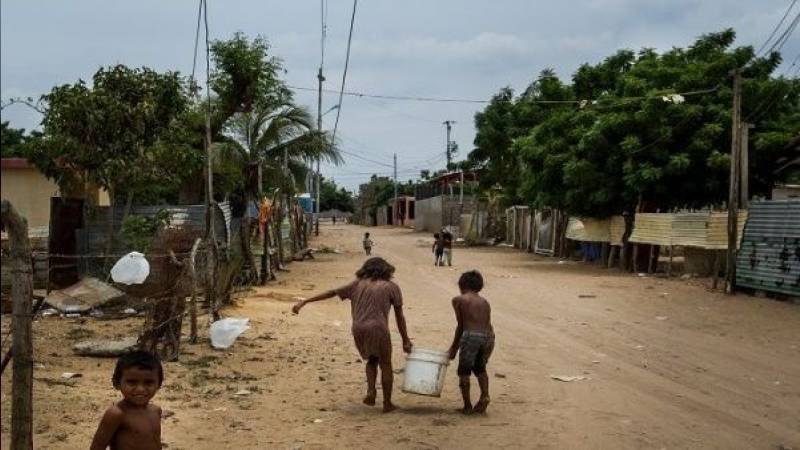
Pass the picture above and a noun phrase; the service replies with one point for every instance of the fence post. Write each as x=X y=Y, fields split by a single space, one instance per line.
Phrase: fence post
x=22 y=345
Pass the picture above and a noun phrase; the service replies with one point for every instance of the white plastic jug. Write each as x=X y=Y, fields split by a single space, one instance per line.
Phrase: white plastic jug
x=425 y=371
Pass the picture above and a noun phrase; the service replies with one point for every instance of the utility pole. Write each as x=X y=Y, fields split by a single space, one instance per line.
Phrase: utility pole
x=320 y=79
x=448 y=149
x=744 y=195
x=461 y=190
x=733 y=192
x=394 y=204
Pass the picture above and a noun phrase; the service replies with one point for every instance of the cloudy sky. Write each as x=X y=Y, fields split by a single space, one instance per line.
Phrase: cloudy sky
x=431 y=48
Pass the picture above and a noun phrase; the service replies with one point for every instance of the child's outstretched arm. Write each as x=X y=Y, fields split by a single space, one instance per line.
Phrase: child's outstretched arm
x=459 y=328
x=323 y=296
x=108 y=427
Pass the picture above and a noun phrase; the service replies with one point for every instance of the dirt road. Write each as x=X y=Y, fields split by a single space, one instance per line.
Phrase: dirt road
x=666 y=364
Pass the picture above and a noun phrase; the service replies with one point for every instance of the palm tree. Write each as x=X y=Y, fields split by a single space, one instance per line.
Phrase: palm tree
x=275 y=145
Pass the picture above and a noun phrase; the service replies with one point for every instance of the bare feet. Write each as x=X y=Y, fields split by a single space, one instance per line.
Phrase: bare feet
x=482 y=404
x=389 y=407
x=369 y=400
x=467 y=410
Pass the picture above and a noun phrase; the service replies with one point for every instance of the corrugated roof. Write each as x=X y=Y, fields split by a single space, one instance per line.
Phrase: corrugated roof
x=769 y=258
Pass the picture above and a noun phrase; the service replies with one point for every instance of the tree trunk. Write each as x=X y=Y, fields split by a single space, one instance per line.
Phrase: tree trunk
x=279 y=234
x=22 y=345
x=626 y=247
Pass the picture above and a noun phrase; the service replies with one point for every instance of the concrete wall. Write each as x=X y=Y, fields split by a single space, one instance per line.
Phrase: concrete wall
x=428 y=214
x=29 y=191
x=431 y=214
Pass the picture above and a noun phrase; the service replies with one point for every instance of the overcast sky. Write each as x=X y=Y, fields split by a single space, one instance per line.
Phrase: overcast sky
x=442 y=48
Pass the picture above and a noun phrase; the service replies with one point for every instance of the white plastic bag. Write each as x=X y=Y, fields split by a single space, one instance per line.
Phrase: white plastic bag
x=132 y=268
x=225 y=331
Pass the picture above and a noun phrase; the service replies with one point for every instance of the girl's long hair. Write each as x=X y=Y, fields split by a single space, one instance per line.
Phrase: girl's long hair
x=375 y=269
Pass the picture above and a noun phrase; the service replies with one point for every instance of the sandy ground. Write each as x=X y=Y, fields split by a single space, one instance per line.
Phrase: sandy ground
x=667 y=363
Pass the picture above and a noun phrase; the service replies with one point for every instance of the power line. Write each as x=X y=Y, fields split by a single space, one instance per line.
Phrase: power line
x=196 y=39
x=356 y=155
x=781 y=41
x=463 y=100
x=344 y=73
x=777 y=27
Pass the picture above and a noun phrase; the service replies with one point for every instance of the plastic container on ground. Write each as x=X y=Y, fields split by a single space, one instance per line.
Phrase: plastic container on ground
x=225 y=331
x=425 y=371
x=132 y=268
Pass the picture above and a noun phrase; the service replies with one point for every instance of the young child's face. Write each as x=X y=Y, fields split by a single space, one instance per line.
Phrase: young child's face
x=138 y=385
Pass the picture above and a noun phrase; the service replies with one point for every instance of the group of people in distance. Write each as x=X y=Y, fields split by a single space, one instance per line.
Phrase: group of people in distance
x=134 y=422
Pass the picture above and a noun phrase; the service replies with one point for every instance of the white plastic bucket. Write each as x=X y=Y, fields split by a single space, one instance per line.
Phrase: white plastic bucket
x=425 y=371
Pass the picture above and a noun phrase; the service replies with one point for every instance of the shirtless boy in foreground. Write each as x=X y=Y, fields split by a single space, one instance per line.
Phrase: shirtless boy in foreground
x=133 y=422
x=474 y=338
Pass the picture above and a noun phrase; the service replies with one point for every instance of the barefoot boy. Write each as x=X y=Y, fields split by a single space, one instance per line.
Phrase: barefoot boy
x=474 y=339
x=371 y=296
x=437 y=248
x=367 y=244
x=133 y=422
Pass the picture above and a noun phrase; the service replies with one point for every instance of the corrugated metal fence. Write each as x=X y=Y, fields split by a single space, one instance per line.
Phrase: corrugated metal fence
x=769 y=258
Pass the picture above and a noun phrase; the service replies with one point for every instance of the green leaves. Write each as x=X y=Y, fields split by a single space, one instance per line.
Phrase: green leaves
x=630 y=136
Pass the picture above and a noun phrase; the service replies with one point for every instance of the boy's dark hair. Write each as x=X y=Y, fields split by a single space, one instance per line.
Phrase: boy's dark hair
x=436 y=235
x=366 y=234
x=376 y=269
x=471 y=281
x=140 y=359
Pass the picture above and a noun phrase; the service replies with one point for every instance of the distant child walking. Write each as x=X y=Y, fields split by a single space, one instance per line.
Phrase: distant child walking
x=371 y=296
x=133 y=422
x=474 y=339
x=367 y=244
x=437 y=249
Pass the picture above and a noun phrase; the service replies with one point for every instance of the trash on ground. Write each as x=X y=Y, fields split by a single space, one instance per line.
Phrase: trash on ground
x=317 y=420
x=71 y=375
x=499 y=375
x=326 y=249
x=105 y=348
x=568 y=378
x=129 y=311
x=86 y=294
x=661 y=317
x=132 y=268
x=242 y=392
x=49 y=312
x=587 y=296
x=225 y=331
x=336 y=323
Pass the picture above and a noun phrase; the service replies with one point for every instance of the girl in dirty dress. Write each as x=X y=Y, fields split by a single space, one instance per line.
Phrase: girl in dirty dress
x=371 y=296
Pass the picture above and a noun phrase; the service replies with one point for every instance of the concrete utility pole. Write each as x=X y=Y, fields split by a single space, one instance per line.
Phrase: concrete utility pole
x=744 y=195
x=733 y=192
x=394 y=205
x=320 y=79
x=449 y=148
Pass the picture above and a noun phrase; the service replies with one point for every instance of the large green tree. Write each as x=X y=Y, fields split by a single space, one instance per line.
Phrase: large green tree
x=121 y=133
x=627 y=139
